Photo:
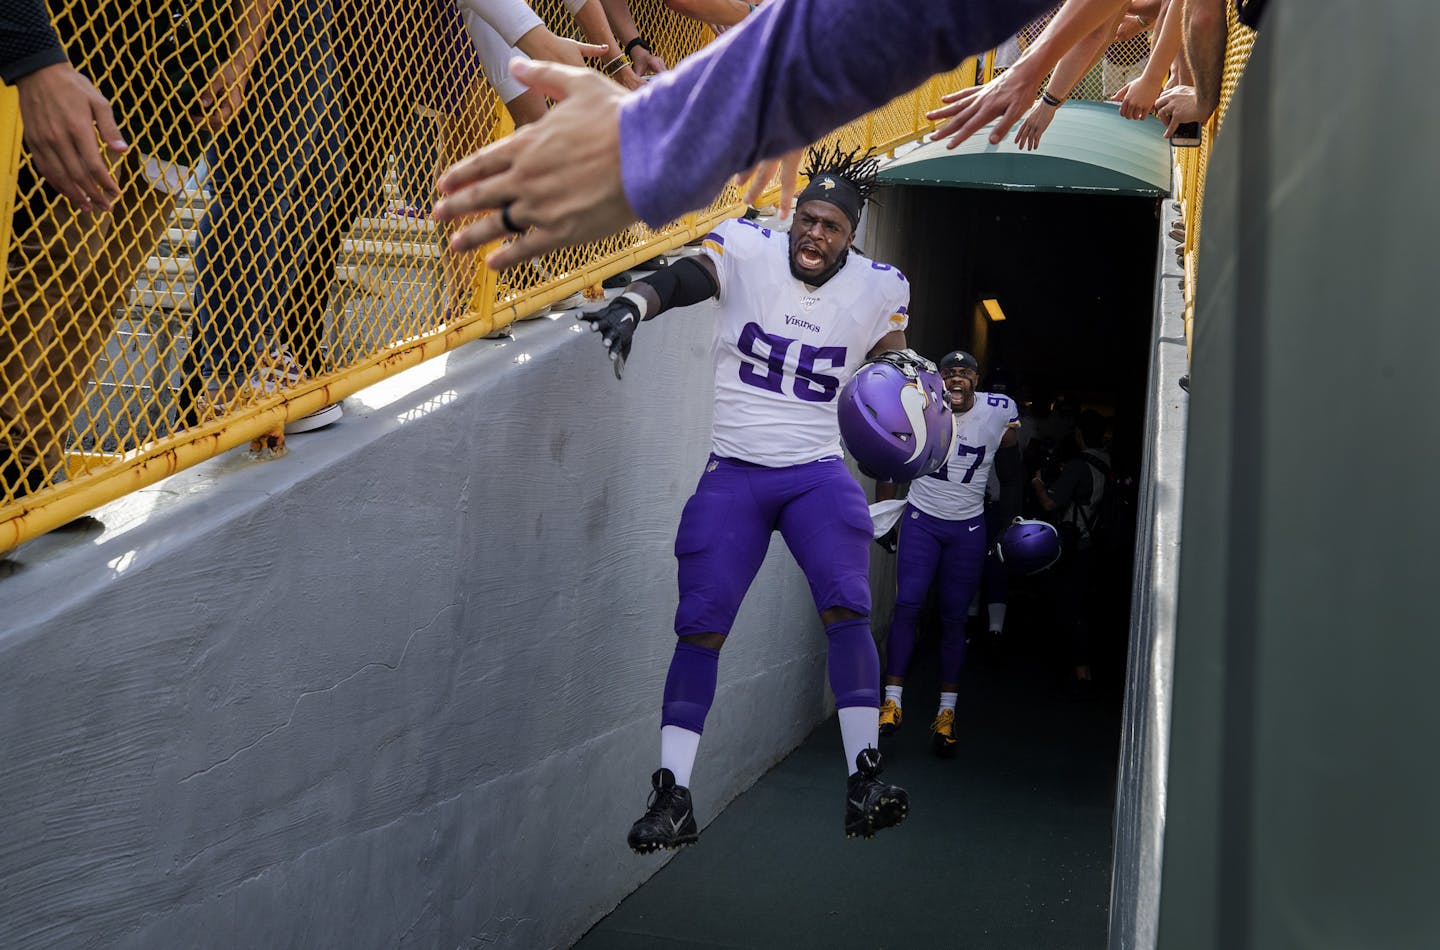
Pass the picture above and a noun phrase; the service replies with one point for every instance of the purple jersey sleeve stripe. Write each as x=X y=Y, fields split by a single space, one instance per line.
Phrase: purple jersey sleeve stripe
x=715 y=236
x=790 y=73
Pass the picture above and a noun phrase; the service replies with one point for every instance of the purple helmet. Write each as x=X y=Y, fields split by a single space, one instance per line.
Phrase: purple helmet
x=895 y=417
x=1028 y=547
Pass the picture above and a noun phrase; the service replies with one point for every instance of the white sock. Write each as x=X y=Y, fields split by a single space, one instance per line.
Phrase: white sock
x=677 y=752
x=947 y=700
x=893 y=692
x=859 y=730
x=997 y=617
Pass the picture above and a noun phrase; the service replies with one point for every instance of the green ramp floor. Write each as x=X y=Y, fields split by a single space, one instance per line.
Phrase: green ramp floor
x=1007 y=844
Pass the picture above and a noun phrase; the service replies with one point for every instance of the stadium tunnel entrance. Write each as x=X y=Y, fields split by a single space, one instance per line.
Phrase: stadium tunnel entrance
x=1054 y=294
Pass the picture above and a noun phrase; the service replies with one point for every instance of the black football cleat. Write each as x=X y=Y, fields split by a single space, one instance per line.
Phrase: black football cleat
x=870 y=804
x=668 y=822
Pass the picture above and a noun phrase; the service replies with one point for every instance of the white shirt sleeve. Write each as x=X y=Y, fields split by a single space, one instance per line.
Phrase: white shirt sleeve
x=512 y=19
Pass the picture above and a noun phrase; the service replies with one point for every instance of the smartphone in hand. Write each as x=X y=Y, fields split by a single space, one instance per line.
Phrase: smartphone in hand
x=1187 y=135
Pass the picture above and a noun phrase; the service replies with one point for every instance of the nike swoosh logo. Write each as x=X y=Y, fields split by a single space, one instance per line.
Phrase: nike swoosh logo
x=973 y=527
x=675 y=825
x=628 y=318
x=859 y=806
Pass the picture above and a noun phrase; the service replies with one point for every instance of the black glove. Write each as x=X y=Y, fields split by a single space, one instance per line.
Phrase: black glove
x=616 y=323
x=890 y=540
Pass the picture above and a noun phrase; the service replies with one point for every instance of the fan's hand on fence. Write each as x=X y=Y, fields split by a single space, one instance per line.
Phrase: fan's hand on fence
x=558 y=178
x=542 y=44
x=1177 y=105
x=224 y=94
x=646 y=62
x=61 y=111
x=1137 y=97
x=616 y=323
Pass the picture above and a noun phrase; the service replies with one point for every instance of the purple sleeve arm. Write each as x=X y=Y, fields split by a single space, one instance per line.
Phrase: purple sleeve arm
x=27 y=40
x=793 y=71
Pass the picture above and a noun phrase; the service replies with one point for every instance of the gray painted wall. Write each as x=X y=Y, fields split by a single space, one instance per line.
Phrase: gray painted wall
x=398 y=688
x=1303 y=775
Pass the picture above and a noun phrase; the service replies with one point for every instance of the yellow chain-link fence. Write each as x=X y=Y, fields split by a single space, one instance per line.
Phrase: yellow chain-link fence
x=254 y=271
x=1240 y=40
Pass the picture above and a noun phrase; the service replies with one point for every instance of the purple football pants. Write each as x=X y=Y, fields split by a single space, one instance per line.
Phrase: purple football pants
x=951 y=553
x=818 y=508
x=820 y=511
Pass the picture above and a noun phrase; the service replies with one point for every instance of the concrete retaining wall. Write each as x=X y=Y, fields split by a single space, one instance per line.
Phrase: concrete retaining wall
x=398 y=689
x=1149 y=685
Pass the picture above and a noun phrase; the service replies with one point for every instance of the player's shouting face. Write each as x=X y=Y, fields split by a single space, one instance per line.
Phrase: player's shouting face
x=819 y=237
x=960 y=382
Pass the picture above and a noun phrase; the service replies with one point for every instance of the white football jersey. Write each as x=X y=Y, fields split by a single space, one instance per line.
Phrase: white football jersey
x=782 y=350
x=957 y=490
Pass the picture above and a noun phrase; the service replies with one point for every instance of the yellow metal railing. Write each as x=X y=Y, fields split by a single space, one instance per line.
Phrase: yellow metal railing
x=253 y=275
x=1193 y=163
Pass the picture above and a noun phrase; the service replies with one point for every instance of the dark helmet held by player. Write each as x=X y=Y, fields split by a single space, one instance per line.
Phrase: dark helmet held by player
x=894 y=417
x=1028 y=547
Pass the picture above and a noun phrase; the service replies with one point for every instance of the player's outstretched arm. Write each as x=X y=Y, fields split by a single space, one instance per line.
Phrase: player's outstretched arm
x=686 y=282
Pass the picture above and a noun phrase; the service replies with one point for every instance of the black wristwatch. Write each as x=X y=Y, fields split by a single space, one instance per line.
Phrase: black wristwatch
x=640 y=42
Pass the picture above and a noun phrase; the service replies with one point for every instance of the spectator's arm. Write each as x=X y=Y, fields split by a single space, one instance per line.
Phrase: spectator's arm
x=1205 y=37
x=590 y=17
x=1082 y=57
x=60 y=109
x=540 y=43
x=886 y=491
x=512 y=19
x=716 y=12
x=1137 y=98
x=1007 y=97
x=225 y=92
x=635 y=45
x=1073 y=66
x=599 y=160
x=27 y=40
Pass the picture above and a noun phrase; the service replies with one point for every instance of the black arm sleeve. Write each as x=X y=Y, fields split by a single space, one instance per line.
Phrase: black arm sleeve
x=27 y=40
x=1007 y=465
x=681 y=284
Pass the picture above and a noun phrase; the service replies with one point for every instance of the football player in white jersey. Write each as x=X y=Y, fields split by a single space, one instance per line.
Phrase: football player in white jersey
x=942 y=534
x=798 y=315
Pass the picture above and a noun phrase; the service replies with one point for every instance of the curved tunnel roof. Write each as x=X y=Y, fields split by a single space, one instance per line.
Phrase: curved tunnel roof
x=1088 y=148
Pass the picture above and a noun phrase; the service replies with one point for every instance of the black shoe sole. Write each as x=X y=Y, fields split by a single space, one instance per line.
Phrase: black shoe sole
x=943 y=749
x=888 y=731
x=886 y=813
x=674 y=844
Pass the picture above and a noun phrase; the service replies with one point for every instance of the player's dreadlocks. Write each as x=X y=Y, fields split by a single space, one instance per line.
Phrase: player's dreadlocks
x=854 y=167
x=845 y=179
